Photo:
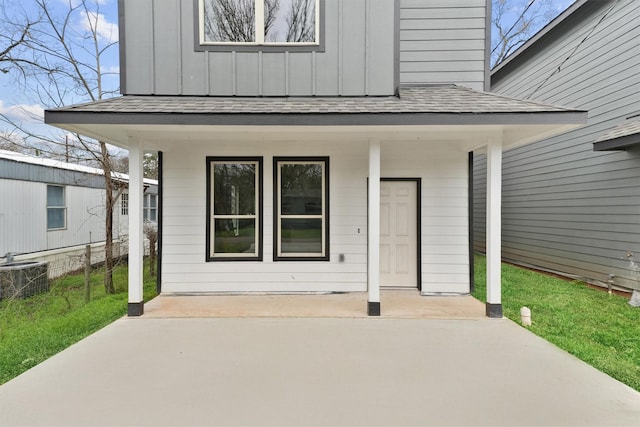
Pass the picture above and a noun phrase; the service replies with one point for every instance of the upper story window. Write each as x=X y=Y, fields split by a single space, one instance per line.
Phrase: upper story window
x=259 y=22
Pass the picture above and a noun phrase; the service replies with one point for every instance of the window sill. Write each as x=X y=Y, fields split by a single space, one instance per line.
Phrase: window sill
x=258 y=48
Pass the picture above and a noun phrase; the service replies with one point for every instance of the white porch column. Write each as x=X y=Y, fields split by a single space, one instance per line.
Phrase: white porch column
x=494 y=229
x=373 y=232
x=136 y=235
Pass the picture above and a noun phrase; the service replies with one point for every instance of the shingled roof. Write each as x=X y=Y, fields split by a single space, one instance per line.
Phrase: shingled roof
x=417 y=102
x=622 y=137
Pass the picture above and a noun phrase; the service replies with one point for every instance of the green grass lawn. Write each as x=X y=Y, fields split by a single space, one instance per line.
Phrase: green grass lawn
x=34 y=329
x=601 y=329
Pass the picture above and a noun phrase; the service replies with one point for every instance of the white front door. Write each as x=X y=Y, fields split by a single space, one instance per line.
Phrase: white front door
x=398 y=234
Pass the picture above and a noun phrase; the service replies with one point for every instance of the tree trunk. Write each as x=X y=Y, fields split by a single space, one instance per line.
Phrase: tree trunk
x=152 y=254
x=109 y=204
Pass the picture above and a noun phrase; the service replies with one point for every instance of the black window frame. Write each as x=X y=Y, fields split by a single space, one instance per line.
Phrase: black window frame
x=259 y=207
x=326 y=208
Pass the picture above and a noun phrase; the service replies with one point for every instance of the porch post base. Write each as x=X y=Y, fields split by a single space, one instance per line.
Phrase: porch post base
x=135 y=309
x=494 y=311
x=373 y=308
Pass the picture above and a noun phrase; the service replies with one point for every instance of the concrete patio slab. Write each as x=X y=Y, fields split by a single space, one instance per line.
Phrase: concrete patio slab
x=315 y=372
x=396 y=304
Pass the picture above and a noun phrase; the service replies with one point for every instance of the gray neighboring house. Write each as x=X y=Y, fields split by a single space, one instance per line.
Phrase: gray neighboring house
x=334 y=159
x=571 y=203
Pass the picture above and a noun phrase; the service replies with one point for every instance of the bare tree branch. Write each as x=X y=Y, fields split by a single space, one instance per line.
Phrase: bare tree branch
x=60 y=62
x=301 y=21
x=14 y=33
x=230 y=20
x=515 y=21
x=234 y=20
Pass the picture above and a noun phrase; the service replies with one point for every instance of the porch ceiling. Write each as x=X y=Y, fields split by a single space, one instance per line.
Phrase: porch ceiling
x=426 y=113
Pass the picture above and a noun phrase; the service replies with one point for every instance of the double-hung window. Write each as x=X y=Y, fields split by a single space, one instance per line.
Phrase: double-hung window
x=301 y=199
x=234 y=217
x=56 y=209
x=259 y=22
x=150 y=207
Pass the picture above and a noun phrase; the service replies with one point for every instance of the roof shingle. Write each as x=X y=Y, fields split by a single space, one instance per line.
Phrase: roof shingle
x=627 y=128
x=422 y=99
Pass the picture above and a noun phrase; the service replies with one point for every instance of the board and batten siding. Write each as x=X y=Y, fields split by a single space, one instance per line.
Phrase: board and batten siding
x=160 y=56
x=566 y=207
x=444 y=227
x=443 y=41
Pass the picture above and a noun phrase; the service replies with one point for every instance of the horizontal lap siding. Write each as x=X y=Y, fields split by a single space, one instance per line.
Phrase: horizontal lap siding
x=184 y=267
x=566 y=207
x=443 y=42
x=444 y=206
x=444 y=224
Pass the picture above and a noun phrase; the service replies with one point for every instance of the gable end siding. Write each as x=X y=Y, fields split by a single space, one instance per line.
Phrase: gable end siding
x=443 y=41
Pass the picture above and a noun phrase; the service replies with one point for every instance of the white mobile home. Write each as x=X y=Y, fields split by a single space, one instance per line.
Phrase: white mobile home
x=50 y=210
x=333 y=159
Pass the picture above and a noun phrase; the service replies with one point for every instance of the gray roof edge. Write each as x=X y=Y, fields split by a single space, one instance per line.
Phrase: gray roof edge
x=318 y=119
x=534 y=102
x=540 y=34
x=616 y=144
x=74 y=168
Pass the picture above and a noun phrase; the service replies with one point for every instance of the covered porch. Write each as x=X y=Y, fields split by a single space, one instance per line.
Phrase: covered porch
x=431 y=119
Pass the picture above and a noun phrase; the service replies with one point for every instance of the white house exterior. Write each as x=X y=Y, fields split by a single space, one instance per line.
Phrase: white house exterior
x=50 y=210
x=337 y=163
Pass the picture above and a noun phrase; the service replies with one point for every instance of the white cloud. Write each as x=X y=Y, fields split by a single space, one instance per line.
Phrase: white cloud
x=31 y=113
x=107 y=31
x=75 y=3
